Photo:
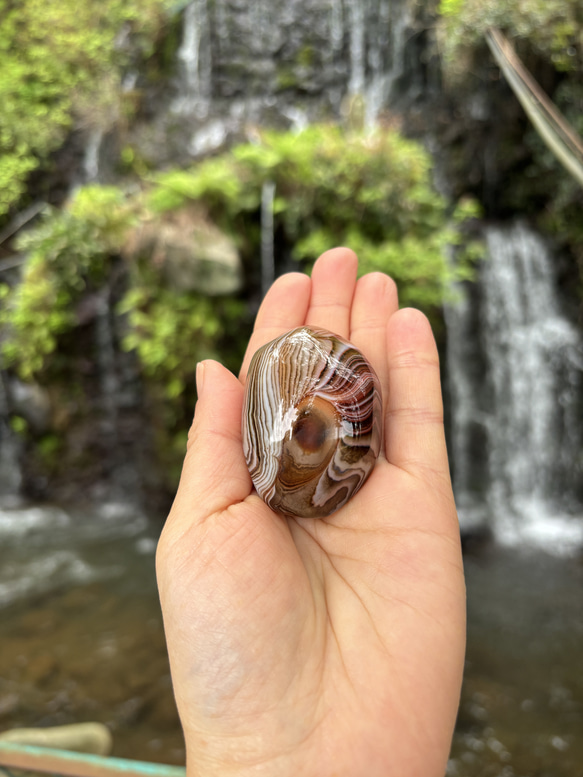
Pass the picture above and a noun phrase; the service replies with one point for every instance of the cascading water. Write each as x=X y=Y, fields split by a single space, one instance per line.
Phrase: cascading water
x=259 y=62
x=195 y=58
x=91 y=157
x=377 y=51
x=516 y=370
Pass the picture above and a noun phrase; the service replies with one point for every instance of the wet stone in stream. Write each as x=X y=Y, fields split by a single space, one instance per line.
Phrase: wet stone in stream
x=86 y=654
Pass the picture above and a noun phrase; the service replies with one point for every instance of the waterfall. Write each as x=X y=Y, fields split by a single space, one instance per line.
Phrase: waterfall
x=117 y=396
x=254 y=63
x=515 y=366
x=91 y=157
x=357 y=21
x=194 y=56
x=378 y=35
x=386 y=56
x=467 y=443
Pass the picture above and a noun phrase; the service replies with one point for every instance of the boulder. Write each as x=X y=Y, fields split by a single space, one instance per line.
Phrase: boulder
x=191 y=251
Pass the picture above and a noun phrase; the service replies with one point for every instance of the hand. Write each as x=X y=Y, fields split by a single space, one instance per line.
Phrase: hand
x=319 y=647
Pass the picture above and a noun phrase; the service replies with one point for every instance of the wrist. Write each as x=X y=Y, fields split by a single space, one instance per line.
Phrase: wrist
x=242 y=758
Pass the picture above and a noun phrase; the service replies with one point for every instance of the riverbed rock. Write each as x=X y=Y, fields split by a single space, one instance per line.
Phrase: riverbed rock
x=94 y=738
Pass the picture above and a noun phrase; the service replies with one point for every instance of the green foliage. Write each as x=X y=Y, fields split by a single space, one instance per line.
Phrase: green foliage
x=58 y=60
x=171 y=332
x=216 y=181
x=14 y=170
x=50 y=449
x=548 y=36
x=551 y=27
x=73 y=253
x=372 y=192
x=19 y=425
x=68 y=253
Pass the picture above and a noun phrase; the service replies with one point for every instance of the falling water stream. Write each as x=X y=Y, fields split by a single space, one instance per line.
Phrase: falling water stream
x=515 y=365
x=194 y=57
x=360 y=45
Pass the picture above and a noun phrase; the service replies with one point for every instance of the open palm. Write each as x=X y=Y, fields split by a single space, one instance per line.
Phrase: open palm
x=331 y=646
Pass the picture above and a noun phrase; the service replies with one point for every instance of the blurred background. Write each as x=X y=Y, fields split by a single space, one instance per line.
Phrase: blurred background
x=160 y=164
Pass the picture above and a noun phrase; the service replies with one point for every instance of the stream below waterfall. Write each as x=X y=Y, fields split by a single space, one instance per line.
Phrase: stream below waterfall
x=82 y=635
x=82 y=639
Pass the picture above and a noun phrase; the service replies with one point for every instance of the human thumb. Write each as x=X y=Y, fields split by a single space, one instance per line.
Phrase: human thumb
x=214 y=474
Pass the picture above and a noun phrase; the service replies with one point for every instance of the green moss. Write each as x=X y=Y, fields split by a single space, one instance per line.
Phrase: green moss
x=49 y=448
x=306 y=56
x=19 y=425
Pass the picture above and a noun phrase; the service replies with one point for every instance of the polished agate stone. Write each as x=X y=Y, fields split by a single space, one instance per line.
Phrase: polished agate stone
x=311 y=422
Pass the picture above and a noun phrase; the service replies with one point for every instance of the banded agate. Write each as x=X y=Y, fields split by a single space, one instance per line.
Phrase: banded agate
x=311 y=422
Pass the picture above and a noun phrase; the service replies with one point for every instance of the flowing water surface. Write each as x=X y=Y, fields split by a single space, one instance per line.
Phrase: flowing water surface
x=82 y=635
x=82 y=639
x=521 y=713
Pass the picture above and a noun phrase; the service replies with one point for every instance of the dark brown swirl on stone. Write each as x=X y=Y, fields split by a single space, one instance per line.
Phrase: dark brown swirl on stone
x=311 y=422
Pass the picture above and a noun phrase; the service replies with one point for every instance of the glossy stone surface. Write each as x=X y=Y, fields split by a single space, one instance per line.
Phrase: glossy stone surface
x=312 y=422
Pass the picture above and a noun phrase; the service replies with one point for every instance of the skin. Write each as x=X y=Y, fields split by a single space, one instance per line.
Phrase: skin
x=319 y=647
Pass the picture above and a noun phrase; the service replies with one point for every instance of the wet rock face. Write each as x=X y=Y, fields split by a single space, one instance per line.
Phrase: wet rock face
x=277 y=63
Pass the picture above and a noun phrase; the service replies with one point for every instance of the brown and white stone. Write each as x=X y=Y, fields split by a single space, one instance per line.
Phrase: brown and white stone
x=312 y=422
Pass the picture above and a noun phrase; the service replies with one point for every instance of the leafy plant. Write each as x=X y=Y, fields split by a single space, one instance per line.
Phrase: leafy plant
x=548 y=36
x=551 y=27
x=68 y=253
x=60 y=62
x=370 y=191
x=171 y=332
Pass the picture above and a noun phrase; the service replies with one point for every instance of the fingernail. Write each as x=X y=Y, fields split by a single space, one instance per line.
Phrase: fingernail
x=199 y=378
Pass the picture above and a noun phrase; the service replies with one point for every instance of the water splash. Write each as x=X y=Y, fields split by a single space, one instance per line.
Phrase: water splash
x=47 y=548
